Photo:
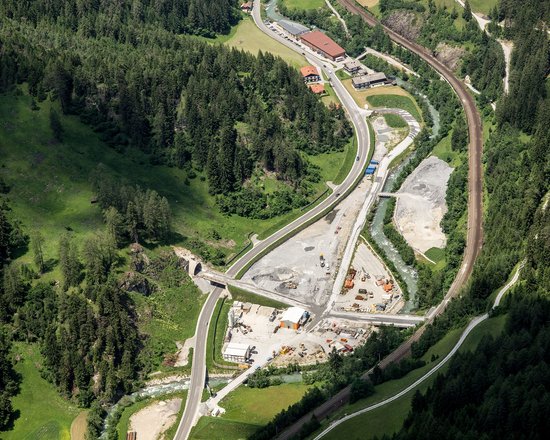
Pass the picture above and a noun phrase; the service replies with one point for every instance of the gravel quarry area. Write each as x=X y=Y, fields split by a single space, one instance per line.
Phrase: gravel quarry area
x=386 y=137
x=295 y=268
x=153 y=420
x=421 y=205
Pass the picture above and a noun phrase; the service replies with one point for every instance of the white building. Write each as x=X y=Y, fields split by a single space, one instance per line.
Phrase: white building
x=293 y=317
x=235 y=352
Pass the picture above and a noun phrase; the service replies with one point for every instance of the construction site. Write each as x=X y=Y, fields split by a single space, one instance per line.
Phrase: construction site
x=369 y=286
x=257 y=332
x=304 y=268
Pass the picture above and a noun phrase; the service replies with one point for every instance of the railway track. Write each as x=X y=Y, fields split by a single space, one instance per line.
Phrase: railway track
x=474 y=237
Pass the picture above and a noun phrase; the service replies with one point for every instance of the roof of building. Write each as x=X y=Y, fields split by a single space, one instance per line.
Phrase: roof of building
x=309 y=70
x=324 y=43
x=292 y=27
x=236 y=349
x=379 y=76
x=317 y=88
x=353 y=64
x=293 y=314
x=248 y=5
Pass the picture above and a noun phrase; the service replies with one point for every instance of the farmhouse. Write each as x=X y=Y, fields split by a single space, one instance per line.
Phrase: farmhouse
x=366 y=81
x=247 y=7
x=353 y=67
x=310 y=74
x=293 y=318
x=318 y=89
x=320 y=43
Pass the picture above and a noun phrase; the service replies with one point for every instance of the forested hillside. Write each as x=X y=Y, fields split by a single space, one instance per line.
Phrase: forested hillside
x=501 y=390
x=97 y=18
x=186 y=103
x=98 y=309
x=517 y=181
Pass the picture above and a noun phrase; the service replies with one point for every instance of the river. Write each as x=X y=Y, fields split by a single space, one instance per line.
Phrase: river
x=408 y=274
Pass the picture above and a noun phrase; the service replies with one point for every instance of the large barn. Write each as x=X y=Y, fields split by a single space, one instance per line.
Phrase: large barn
x=320 y=43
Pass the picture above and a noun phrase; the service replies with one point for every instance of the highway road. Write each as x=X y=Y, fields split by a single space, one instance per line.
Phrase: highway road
x=474 y=237
x=198 y=372
x=362 y=134
x=198 y=367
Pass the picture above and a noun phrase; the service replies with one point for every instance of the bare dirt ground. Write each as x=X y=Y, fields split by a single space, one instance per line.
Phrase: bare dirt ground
x=152 y=421
x=183 y=352
x=297 y=262
x=449 y=55
x=507 y=47
x=386 y=137
x=421 y=205
x=79 y=426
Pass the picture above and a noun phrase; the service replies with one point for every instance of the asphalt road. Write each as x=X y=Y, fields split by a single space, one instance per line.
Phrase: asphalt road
x=362 y=134
x=474 y=237
x=198 y=369
x=198 y=372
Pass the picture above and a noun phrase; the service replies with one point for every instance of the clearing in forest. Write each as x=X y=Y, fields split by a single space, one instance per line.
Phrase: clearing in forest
x=248 y=37
x=44 y=414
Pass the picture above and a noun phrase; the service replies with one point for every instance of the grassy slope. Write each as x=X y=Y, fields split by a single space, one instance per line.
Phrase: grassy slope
x=384 y=96
x=444 y=152
x=216 y=334
x=58 y=195
x=304 y=4
x=168 y=316
x=483 y=6
x=245 y=296
x=394 y=121
x=368 y=3
x=248 y=37
x=246 y=410
x=396 y=101
x=388 y=419
x=44 y=414
x=435 y=254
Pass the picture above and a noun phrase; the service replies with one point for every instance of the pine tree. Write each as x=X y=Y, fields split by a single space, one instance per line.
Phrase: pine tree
x=69 y=261
x=467 y=14
x=55 y=125
x=37 y=242
x=114 y=223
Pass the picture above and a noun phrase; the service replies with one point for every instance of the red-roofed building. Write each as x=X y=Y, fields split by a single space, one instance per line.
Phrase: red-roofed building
x=247 y=7
x=319 y=42
x=310 y=74
x=318 y=89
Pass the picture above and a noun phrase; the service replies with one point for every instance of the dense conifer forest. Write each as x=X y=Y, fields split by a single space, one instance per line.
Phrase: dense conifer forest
x=185 y=102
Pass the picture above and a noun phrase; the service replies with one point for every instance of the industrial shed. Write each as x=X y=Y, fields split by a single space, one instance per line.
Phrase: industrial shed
x=293 y=318
x=321 y=43
x=235 y=352
x=292 y=27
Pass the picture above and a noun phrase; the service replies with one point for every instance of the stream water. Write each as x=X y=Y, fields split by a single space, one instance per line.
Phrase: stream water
x=151 y=392
x=271 y=11
x=408 y=274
